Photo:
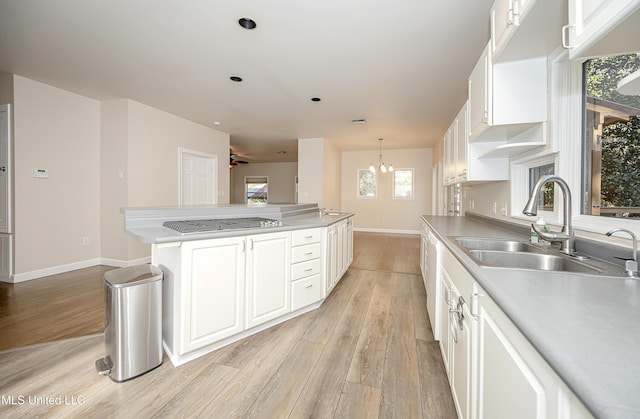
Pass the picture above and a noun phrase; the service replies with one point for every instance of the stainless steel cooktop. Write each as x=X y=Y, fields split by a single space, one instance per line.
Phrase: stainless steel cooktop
x=219 y=224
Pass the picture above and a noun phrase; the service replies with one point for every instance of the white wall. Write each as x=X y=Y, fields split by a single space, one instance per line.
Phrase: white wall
x=311 y=171
x=141 y=143
x=332 y=177
x=58 y=131
x=385 y=213
x=281 y=180
x=100 y=157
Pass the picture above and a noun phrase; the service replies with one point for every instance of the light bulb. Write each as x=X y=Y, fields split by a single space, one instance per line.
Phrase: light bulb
x=391 y=167
x=372 y=169
x=383 y=169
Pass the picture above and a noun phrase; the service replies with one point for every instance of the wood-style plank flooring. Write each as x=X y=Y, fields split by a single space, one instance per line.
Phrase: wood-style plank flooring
x=367 y=352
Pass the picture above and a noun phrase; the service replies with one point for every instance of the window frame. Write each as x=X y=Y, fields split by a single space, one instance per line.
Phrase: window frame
x=413 y=184
x=375 y=174
x=567 y=113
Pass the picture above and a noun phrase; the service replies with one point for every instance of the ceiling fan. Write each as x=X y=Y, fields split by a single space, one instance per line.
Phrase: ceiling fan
x=235 y=159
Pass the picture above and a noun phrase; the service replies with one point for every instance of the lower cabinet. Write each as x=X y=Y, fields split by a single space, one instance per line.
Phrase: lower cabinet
x=268 y=277
x=214 y=268
x=493 y=370
x=339 y=252
x=216 y=291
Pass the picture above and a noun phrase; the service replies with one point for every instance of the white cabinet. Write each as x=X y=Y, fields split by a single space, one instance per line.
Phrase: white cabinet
x=506 y=100
x=268 y=277
x=598 y=27
x=493 y=370
x=480 y=95
x=306 y=268
x=211 y=299
x=339 y=252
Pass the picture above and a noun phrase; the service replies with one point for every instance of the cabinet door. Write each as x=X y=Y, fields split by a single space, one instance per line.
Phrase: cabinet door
x=479 y=100
x=449 y=157
x=461 y=131
x=508 y=386
x=349 y=241
x=445 y=335
x=331 y=265
x=460 y=362
x=590 y=20
x=213 y=270
x=268 y=277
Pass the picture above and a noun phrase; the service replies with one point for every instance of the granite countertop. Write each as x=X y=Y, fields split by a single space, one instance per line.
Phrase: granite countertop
x=145 y=224
x=587 y=327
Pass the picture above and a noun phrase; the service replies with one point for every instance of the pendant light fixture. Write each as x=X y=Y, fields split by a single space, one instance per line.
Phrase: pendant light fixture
x=381 y=167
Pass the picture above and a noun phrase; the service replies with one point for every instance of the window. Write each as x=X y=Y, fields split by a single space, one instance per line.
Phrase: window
x=545 y=199
x=403 y=184
x=256 y=189
x=367 y=184
x=611 y=139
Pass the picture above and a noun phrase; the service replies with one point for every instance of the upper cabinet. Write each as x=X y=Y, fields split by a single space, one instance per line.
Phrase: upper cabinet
x=602 y=27
x=507 y=99
x=523 y=29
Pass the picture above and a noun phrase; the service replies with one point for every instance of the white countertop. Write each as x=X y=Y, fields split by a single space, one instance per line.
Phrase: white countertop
x=587 y=327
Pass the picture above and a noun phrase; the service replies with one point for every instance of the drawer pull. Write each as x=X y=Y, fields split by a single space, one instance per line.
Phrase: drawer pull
x=308 y=270
x=308 y=237
x=308 y=286
x=308 y=254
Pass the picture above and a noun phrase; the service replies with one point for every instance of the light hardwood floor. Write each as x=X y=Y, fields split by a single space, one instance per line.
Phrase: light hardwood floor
x=366 y=352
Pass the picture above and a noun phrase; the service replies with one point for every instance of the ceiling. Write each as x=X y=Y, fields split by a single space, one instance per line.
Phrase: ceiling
x=402 y=66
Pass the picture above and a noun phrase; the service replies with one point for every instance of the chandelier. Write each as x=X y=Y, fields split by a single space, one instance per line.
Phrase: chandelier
x=381 y=167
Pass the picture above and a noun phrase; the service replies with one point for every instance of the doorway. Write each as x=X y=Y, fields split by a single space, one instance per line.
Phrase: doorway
x=198 y=178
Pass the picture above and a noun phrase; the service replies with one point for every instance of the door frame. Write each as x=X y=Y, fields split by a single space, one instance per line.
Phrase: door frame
x=182 y=152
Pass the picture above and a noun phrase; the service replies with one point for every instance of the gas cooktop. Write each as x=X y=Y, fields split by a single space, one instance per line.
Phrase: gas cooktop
x=219 y=224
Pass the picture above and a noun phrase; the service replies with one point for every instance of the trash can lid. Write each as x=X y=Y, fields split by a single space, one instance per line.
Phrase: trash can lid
x=133 y=275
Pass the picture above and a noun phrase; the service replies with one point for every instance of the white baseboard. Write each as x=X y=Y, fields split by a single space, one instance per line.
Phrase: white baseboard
x=54 y=270
x=386 y=231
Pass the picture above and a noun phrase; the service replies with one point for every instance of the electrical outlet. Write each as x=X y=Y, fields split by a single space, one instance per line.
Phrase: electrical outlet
x=472 y=204
x=495 y=207
x=504 y=210
x=85 y=241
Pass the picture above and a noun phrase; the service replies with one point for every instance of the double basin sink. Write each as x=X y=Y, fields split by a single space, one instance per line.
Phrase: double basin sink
x=514 y=254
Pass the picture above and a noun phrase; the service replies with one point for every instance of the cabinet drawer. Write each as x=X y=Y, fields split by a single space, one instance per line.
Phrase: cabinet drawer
x=307 y=236
x=305 y=291
x=304 y=269
x=308 y=252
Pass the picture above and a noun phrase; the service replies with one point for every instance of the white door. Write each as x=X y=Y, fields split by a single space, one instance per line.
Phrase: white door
x=198 y=180
x=5 y=178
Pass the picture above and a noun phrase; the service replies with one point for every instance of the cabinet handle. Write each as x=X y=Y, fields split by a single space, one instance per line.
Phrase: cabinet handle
x=308 y=270
x=475 y=308
x=485 y=117
x=308 y=286
x=565 y=36
x=308 y=254
x=250 y=244
x=244 y=246
x=308 y=237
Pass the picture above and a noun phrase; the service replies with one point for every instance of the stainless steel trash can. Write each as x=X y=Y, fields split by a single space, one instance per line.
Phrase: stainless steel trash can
x=133 y=322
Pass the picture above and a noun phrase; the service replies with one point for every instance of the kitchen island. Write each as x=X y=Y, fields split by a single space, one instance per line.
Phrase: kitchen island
x=579 y=329
x=237 y=278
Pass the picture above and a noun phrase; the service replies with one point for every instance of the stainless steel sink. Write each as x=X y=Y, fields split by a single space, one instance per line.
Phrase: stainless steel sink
x=526 y=260
x=473 y=243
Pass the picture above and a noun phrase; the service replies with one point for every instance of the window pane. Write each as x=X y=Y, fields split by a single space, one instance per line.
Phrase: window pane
x=403 y=183
x=611 y=140
x=367 y=184
x=257 y=190
x=545 y=199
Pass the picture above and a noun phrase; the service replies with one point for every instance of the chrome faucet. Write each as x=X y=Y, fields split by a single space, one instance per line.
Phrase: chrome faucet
x=566 y=236
x=631 y=266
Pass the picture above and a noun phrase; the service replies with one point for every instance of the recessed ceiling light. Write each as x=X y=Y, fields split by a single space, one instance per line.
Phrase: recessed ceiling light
x=236 y=79
x=247 y=23
x=315 y=99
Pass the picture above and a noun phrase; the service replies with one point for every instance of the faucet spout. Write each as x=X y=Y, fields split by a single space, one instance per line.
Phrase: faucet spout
x=566 y=236
x=631 y=266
